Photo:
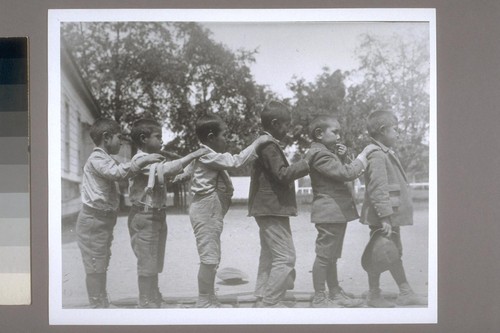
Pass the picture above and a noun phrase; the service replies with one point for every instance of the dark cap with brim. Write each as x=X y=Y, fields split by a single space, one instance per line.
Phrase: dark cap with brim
x=380 y=253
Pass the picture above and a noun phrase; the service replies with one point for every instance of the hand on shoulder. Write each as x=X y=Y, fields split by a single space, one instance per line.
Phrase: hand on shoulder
x=142 y=161
x=263 y=139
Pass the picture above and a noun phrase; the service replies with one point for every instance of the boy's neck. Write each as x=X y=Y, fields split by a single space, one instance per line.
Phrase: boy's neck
x=103 y=147
x=209 y=145
x=270 y=132
x=148 y=151
x=381 y=140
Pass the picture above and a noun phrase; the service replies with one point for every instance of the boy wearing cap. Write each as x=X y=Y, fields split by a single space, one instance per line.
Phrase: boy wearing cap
x=332 y=208
x=272 y=202
x=387 y=205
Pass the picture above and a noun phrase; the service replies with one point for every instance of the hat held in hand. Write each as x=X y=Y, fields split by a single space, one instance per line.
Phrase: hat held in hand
x=380 y=253
x=231 y=275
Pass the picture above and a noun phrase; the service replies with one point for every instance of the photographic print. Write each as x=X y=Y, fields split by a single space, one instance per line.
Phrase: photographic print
x=15 y=271
x=242 y=166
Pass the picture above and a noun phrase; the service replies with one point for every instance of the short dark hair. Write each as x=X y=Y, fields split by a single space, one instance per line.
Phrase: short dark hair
x=101 y=126
x=209 y=123
x=322 y=122
x=378 y=120
x=274 y=110
x=143 y=127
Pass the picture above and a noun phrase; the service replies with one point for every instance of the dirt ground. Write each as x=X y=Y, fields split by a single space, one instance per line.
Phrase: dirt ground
x=240 y=249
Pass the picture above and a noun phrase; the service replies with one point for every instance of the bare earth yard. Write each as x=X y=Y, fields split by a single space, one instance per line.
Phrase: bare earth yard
x=240 y=249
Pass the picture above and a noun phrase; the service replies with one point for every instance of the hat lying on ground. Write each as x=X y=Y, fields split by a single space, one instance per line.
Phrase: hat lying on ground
x=231 y=275
x=380 y=253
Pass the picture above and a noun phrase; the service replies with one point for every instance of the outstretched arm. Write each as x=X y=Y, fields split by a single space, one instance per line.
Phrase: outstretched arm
x=280 y=171
x=110 y=169
x=225 y=161
x=330 y=166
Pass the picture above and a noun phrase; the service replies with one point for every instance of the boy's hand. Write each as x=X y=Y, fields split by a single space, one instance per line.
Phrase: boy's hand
x=180 y=178
x=386 y=226
x=368 y=150
x=341 y=149
x=200 y=152
x=308 y=157
x=262 y=139
x=149 y=159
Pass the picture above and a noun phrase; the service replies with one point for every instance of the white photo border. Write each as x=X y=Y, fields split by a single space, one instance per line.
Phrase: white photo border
x=60 y=316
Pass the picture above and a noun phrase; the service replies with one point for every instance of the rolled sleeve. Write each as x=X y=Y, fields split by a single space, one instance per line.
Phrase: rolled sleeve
x=171 y=168
x=225 y=161
x=110 y=169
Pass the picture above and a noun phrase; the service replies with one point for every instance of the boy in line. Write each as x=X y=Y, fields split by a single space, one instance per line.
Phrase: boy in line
x=212 y=189
x=146 y=220
x=332 y=207
x=100 y=198
x=272 y=202
x=387 y=205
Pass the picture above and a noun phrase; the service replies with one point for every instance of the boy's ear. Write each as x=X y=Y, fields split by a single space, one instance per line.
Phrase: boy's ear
x=382 y=129
x=274 y=122
x=210 y=136
x=318 y=133
x=106 y=136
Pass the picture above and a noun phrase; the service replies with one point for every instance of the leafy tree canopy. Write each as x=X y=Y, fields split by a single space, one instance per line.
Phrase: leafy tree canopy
x=173 y=72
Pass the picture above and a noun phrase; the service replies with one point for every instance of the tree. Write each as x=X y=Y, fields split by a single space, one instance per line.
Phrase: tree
x=173 y=72
x=324 y=96
x=395 y=77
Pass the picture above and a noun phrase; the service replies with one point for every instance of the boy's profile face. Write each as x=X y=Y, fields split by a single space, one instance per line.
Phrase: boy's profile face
x=218 y=142
x=153 y=143
x=330 y=135
x=280 y=127
x=389 y=135
x=112 y=143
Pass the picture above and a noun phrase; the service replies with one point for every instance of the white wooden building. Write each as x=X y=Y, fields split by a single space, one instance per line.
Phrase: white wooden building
x=79 y=110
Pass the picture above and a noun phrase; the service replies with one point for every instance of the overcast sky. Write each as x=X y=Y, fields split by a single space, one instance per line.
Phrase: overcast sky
x=303 y=48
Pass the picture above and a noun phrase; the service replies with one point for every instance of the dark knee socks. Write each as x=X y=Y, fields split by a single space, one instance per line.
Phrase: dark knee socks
x=96 y=284
x=374 y=281
x=146 y=283
x=206 y=278
x=331 y=275
x=398 y=272
x=324 y=270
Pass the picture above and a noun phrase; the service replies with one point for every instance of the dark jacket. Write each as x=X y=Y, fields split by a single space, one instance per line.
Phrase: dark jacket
x=332 y=196
x=272 y=188
x=387 y=190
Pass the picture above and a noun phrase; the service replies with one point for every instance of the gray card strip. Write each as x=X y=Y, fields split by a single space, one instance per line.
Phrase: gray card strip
x=13 y=97
x=13 y=150
x=15 y=232
x=13 y=124
x=14 y=178
x=15 y=259
x=14 y=205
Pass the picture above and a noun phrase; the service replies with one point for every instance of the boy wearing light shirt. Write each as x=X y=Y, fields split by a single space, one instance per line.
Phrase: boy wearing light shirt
x=213 y=189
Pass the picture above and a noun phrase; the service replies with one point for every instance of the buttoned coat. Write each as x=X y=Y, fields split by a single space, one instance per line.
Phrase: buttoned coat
x=387 y=192
x=272 y=188
x=332 y=196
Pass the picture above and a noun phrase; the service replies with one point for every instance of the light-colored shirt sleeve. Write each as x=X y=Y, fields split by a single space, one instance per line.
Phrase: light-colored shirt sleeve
x=226 y=161
x=170 y=168
x=112 y=170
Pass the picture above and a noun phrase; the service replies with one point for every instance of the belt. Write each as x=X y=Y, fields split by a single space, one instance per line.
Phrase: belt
x=146 y=209
x=98 y=212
